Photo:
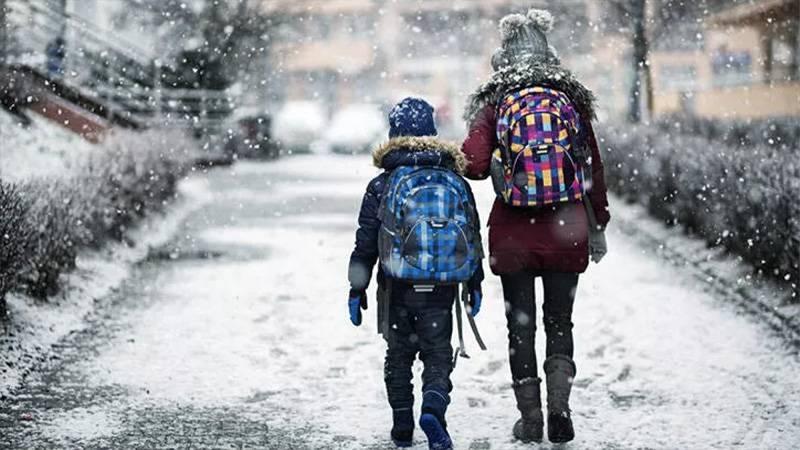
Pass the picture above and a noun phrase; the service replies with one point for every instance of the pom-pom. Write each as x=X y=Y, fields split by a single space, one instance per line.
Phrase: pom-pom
x=510 y=25
x=541 y=19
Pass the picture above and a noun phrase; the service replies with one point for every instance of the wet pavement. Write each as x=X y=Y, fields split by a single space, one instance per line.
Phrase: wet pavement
x=236 y=335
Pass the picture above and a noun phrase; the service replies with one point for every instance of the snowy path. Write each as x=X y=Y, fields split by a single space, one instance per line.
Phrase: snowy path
x=242 y=340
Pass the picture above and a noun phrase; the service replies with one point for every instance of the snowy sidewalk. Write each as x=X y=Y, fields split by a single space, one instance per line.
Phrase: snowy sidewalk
x=240 y=337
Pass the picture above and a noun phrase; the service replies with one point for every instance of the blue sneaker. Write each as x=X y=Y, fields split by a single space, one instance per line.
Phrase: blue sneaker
x=438 y=439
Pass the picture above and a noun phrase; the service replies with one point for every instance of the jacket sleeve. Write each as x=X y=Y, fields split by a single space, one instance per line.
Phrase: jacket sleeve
x=477 y=277
x=365 y=254
x=480 y=143
x=474 y=283
x=598 y=193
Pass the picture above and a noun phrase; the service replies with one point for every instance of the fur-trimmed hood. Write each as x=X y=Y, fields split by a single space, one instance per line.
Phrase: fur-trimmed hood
x=528 y=73
x=419 y=151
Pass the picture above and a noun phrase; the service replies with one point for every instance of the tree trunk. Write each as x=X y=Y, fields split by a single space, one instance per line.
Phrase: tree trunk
x=641 y=68
x=634 y=101
x=795 y=69
x=3 y=33
x=62 y=10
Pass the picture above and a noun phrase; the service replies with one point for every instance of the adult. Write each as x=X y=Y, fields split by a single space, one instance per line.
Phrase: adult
x=552 y=241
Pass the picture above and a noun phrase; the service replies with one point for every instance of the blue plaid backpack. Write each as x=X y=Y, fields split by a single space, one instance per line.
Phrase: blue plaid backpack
x=430 y=231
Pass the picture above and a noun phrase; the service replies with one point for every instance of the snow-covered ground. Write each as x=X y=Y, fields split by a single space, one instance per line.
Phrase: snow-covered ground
x=43 y=148
x=240 y=337
x=35 y=326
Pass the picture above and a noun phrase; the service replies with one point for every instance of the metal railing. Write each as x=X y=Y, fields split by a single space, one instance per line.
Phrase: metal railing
x=105 y=67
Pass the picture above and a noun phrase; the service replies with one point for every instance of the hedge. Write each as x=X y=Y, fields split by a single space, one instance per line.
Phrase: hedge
x=735 y=185
x=44 y=223
x=781 y=132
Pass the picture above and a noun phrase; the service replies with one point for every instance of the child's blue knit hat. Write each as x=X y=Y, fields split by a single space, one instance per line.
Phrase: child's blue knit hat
x=412 y=117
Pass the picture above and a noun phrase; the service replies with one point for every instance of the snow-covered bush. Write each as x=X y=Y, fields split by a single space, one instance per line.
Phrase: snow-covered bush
x=48 y=220
x=14 y=238
x=740 y=192
x=137 y=174
x=780 y=132
x=53 y=226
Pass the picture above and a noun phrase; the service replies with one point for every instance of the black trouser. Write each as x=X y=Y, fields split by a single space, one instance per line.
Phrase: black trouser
x=559 y=296
x=418 y=323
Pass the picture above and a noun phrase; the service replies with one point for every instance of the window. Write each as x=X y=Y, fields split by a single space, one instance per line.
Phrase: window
x=781 y=65
x=732 y=68
x=681 y=78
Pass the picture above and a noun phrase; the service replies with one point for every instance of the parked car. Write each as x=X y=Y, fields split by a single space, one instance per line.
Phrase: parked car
x=298 y=125
x=356 y=128
x=251 y=137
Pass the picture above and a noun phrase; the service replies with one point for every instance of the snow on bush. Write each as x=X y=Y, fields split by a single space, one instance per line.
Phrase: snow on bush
x=137 y=174
x=737 y=186
x=45 y=221
x=14 y=237
x=41 y=148
x=781 y=132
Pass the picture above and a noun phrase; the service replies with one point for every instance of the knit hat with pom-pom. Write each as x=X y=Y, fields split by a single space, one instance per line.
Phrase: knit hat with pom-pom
x=524 y=37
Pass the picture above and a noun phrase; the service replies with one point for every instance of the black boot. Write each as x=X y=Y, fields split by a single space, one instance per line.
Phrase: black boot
x=530 y=427
x=402 y=427
x=560 y=370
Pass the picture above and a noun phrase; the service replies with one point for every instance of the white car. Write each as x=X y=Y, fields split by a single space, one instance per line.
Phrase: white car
x=298 y=124
x=356 y=128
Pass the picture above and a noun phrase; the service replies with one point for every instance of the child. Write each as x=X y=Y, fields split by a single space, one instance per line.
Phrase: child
x=419 y=217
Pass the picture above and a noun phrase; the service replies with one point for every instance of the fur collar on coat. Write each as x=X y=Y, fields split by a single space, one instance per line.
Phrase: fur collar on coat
x=528 y=73
x=421 y=151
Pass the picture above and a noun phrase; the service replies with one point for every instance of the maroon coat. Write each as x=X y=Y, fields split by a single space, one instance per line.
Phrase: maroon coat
x=553 y=238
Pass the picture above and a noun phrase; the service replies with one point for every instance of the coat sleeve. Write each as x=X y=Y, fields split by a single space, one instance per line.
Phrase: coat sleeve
x=480 y=143
x=599 y=192
x=365 y=254
x=477 y=277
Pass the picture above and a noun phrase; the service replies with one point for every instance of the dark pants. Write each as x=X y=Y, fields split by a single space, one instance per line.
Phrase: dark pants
x=418 y=323
x=559 y=296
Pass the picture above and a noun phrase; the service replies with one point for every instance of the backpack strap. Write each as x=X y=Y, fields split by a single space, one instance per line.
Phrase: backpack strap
x=384 y=303
x=579 y=150
x=580 y=141
x=587 y=203
x=463 y=297
x=503 y=141
x=382 y=205
x=461 y=349
x=470 y=319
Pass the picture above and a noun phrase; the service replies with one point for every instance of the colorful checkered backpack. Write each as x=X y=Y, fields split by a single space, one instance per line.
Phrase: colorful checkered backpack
x=540 y=161
x=430 y=231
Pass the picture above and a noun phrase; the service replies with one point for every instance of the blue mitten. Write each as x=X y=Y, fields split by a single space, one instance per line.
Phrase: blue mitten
x=475 y=297
x=356 y=302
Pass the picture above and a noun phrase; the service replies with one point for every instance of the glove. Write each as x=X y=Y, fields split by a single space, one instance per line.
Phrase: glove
x=357 y=302
x=475 y=297
x=597 y=245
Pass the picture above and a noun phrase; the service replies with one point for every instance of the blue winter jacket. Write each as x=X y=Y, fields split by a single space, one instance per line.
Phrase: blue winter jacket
x=402 y=151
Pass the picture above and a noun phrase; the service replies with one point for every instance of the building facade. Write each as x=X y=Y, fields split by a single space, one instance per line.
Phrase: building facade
x=378 y=51
x=746 y=67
